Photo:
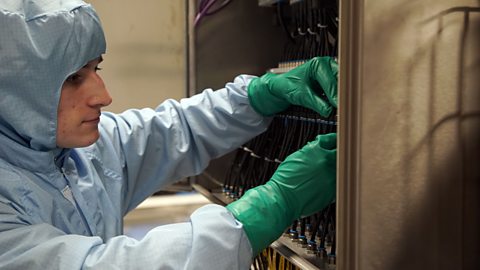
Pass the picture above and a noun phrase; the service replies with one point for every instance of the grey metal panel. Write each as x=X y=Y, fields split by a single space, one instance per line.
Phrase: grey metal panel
x=240 y=39
x=408 y=193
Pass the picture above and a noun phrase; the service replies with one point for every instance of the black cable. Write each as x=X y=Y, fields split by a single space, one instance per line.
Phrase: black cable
x=282 y=20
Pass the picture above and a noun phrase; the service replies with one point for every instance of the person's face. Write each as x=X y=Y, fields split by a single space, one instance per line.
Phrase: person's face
x=82 y=97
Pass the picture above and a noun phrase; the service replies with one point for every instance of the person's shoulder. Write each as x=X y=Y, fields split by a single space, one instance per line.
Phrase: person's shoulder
x=8 y=171
x=12 y=181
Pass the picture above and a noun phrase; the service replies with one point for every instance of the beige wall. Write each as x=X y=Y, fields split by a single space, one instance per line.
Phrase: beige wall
x=145 y=61
x=410 y=135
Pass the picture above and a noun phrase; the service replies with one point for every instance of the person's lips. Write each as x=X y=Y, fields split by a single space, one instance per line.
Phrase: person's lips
x=93 y=120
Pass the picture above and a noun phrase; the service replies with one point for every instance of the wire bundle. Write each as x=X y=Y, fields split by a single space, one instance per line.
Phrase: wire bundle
x=271 y=259
x=209 y=7
x=257 y=160
x=312 y=30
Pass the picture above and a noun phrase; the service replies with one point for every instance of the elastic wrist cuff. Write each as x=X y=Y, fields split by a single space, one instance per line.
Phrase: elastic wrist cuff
x=262 y=100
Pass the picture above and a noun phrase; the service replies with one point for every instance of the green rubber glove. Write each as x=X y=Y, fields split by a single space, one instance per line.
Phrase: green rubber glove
x=303 y=86
x=302 y=185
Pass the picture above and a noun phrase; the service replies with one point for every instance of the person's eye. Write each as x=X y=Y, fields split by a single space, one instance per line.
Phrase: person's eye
x=97 y=68
x=74 y=78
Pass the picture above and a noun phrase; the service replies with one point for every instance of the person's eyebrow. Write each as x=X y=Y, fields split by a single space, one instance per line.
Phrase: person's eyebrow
x=98 y=59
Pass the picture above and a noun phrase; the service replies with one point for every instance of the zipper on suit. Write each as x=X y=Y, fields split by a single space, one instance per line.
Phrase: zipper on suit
x=68 y=194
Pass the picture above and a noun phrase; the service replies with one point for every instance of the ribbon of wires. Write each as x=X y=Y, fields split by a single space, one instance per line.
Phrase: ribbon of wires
x=209 y=7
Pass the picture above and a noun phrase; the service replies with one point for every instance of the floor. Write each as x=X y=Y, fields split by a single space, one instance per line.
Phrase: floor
x=161 y=210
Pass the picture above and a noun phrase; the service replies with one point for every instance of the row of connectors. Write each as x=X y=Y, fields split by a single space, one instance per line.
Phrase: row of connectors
x=286 y=66
x=318 y=241
x=301 y=238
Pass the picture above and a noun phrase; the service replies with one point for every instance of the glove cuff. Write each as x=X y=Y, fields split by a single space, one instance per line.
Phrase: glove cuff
x=261 y=99
x=264 y=214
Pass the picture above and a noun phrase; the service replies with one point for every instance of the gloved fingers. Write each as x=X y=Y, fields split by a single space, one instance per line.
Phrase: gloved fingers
x=297 y=91
x=327 y=141
x=325 y=73
x=318 y=104
x=327 y=144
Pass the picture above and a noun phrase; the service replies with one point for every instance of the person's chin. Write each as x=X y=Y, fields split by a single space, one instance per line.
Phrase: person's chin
x=91 y=139
x=94 y=138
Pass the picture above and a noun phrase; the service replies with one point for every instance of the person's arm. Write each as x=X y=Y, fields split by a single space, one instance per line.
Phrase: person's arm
x=177 y=139
x=212 y=239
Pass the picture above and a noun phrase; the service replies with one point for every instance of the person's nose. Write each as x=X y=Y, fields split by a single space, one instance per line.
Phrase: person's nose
x=101 y=97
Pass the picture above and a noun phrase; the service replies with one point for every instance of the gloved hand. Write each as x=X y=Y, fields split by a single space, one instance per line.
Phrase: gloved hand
x=302 y=185
x=303 y=85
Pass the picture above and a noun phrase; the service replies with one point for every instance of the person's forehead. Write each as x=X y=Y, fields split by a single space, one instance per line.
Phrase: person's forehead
x=94 y=61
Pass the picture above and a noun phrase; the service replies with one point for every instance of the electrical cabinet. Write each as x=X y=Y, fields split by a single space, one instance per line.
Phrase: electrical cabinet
x=408 y=125
x=250 y=37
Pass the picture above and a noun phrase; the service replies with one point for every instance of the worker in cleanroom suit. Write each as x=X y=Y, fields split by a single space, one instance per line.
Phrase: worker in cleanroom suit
x=69 y=173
